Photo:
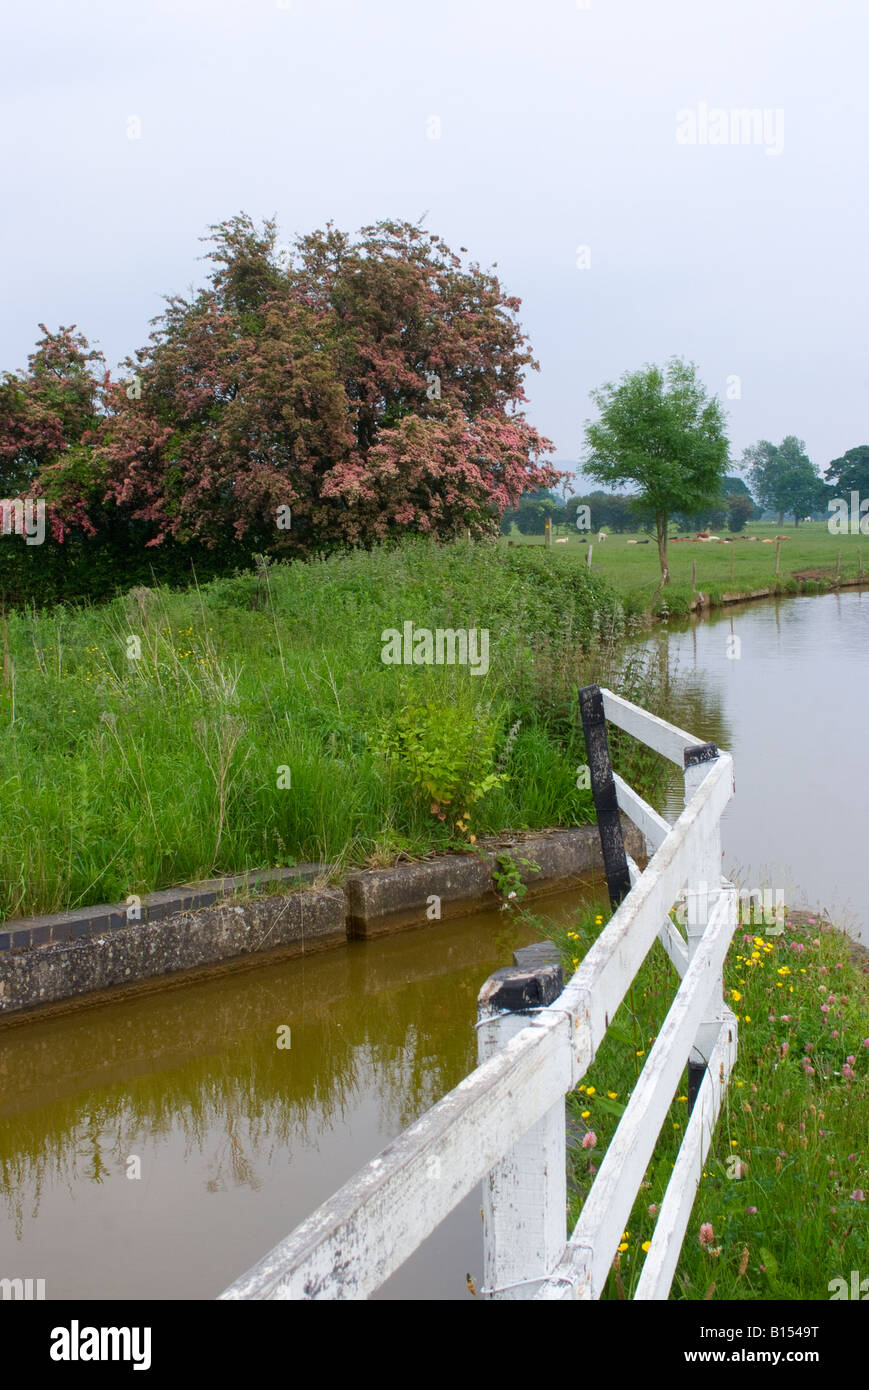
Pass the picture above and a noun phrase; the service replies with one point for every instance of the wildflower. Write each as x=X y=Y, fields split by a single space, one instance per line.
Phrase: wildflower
x=613 y=1095
x=598 y=921
x=653 y=1209
x=752 y=1211
x=684 y=1098
x=645 y=1245
x=589 y=1140
x=848 y=1073
x=707 y=1235
x=623 y=1246
x=734 y=1143
x=857 y=1195
x=641 y=1054
x=590 y=1091
x=585 y=1114
x=735 y=995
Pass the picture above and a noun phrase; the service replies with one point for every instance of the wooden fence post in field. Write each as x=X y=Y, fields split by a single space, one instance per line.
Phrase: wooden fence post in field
x=693 y=577
x=838 y=564
x=525 y=1194
x=777 y=553
x=588 y=556
x=732 y=557
x=702 y=890
x=859 y=562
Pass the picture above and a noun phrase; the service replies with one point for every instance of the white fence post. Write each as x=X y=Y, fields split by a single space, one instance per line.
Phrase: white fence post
x=525 y=1194
x=702 y=890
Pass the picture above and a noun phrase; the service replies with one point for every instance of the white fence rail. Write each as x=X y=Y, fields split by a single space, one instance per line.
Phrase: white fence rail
x=504 y=1125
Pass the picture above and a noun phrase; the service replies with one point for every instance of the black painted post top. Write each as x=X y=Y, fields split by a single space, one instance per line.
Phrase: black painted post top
x=700 y=753
x=517 y=989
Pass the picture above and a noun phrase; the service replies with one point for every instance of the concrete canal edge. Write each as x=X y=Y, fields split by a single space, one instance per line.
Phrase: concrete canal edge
x=393 y=899
x=87 y=956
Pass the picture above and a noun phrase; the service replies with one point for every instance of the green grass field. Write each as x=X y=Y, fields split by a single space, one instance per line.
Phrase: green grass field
x=810 y=551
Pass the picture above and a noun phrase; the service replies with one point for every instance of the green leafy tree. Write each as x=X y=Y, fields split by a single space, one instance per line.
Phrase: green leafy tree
x=850 y=472
x=784 y=478
x=740 y=509
x=660 y=432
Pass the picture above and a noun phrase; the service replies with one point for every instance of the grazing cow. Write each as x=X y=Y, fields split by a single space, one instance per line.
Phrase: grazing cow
x=632 y=542
x=562 y=540
x=601 y=536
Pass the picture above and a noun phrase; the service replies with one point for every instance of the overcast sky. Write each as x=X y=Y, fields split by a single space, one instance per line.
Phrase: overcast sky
x=525 y=131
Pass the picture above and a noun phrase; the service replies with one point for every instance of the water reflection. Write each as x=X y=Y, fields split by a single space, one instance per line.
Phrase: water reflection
x=783 y=686
x=237 y=1139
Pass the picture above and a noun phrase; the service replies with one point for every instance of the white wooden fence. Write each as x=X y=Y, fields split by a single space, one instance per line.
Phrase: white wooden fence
x=504 y=1124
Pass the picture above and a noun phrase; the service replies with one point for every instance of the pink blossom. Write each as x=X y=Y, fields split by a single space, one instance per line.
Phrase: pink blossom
x=589 y=1140
x=707 y=1235
x=752 y=1211
x=848 y=1073
x=825 y=1008
x=857 y=1195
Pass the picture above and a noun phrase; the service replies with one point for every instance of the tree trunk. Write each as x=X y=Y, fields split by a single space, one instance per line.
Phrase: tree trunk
x=661 y=527
x=781 y=519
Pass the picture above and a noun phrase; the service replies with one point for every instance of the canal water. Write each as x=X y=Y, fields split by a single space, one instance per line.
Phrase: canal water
x=784 y=686
x=236 y=1139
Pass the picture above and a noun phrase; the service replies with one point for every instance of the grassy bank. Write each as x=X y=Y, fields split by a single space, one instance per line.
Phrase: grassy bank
x=167 y=736
x=808 y=562
x=781 y=1209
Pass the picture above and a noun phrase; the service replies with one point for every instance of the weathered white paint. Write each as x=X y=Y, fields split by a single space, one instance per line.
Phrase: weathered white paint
x=666 y=1246
x=645 y=818
x=525 y=1193
x=669 y=936
x=648 y=728
x=605 y=975
x=505 y=1122
x=582 y=1271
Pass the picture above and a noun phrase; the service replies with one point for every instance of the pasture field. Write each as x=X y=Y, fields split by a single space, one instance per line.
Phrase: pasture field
x=807 y=562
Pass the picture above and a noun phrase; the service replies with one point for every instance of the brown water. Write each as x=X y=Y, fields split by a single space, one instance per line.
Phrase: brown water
x=238 y=1140
x=791 y=708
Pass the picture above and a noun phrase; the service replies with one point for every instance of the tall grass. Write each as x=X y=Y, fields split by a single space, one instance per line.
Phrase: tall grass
x=167 y=736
